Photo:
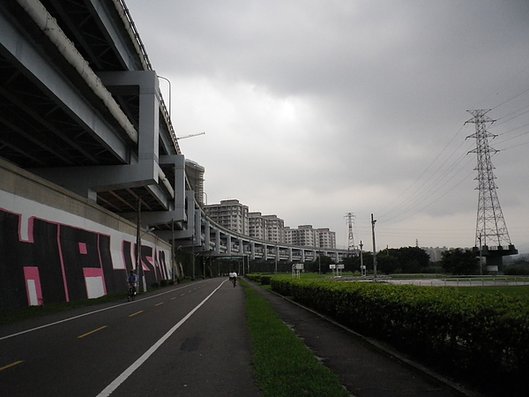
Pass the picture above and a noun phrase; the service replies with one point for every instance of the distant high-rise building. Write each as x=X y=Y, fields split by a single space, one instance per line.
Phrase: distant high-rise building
x=303 y=236
x=231 y=214
x=325 y=238
x=235 y=216
x=287 y=235
x=274 y=228
x=257 y=227
x=195 y=176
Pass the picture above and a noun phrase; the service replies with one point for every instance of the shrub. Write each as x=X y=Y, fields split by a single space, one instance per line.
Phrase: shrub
x=517 y=269
x=480 y=335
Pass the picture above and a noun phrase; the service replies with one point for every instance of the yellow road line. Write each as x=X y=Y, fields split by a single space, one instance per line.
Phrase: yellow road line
x=91 y=332
x=135 y=314
x=159 y=303
x=11 y=365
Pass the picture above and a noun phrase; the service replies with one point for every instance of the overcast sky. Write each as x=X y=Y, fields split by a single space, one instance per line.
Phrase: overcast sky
x=313 y=109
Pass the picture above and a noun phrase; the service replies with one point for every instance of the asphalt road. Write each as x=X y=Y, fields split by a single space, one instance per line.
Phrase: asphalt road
x=188 y=340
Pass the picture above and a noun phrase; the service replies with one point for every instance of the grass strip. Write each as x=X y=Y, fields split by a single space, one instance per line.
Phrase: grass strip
x=283 y=365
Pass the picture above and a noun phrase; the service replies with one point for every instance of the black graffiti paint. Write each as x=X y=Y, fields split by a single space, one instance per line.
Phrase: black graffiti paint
x=64 y=257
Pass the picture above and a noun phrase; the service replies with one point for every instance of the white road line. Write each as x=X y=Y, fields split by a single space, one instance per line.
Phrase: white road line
x=88 y=314
x=107 y=391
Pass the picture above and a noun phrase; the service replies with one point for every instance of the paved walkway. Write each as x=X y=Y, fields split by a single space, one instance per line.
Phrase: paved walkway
x=365 y=370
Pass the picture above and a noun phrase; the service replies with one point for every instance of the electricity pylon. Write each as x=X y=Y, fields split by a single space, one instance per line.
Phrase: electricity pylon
x=350 y=217
x=491 y=229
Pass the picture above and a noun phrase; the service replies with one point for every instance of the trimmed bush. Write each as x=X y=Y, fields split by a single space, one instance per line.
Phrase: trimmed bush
x=263 y=279
x=479 y=335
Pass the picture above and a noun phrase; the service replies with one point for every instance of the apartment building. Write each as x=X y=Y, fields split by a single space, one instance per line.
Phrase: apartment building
x=195 y=176
x=235 y=216
x=325 y=238
x=303 y=236
x=287 y=235
x=274 y=228
x=266 y=227
x=231 y=214
x=257 y=228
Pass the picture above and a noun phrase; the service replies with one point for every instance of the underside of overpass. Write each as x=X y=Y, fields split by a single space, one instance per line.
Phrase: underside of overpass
x=80 y=106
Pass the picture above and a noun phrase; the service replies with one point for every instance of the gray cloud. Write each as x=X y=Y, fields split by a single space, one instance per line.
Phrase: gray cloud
x=313 y=109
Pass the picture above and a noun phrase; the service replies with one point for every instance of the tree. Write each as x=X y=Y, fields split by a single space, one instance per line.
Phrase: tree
x=321 y=261
x=459 y=261
x=352 y=263
x=412 y=259
x=388 y=264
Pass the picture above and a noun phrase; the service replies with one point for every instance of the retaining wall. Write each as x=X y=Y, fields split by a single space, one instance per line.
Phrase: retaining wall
x=56 y=246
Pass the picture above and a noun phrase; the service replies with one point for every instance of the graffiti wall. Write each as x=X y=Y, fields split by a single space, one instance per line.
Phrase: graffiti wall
x=48 y=255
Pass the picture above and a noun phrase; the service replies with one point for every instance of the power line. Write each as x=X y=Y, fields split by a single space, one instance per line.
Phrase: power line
x=438 y=180
x=418 y=181
x=506 y=118
x=511 y=99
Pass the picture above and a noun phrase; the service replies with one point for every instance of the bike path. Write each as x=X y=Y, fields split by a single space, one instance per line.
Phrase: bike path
x=184 y=341
x=209 y=355
x=364 y=369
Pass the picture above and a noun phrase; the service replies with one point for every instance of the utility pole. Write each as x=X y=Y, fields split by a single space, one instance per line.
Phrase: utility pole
x=480 y=257
x=374 y=248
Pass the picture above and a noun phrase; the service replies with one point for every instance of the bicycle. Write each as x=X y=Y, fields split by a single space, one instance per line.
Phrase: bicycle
x=131 y=292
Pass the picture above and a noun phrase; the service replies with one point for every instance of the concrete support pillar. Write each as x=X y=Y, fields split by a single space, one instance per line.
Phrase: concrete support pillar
x=228 y=244
x=290 y=254
x=207 y=236
x=265 y=252
x=217 y=241
x=302 y=255
x=252 y=250
x=241 y=247
x=198 y=227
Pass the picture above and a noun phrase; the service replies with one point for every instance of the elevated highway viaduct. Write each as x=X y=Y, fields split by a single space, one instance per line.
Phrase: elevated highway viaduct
x=92 y=176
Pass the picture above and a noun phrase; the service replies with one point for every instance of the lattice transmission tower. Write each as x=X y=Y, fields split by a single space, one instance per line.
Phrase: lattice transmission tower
x=350 y=218
x=492 y=238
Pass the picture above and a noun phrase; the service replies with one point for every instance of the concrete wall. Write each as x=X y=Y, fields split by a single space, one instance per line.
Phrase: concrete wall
x=56 y=246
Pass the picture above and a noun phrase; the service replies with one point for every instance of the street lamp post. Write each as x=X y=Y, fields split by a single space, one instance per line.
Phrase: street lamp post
x=139 y=272
x=361 y=259
x=166 y=79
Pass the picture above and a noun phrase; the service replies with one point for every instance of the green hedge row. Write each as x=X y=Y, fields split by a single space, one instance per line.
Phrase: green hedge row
x=263 y=279
x=483 y=335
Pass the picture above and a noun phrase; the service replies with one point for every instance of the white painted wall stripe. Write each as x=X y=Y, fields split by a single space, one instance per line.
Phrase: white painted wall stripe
x=107 y=391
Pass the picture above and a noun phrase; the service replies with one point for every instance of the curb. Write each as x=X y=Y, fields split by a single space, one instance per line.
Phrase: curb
x=385 y=349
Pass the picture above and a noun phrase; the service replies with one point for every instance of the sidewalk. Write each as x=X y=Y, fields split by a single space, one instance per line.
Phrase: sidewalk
x=364 y=369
